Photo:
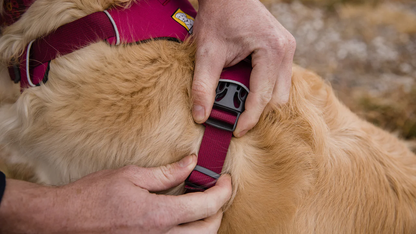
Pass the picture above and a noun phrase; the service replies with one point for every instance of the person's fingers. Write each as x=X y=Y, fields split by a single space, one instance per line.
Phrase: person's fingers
x=208 y=225
x=194 y=206
x=164 y=177
x=262 y=82
x=282 y=87
x=208 y=66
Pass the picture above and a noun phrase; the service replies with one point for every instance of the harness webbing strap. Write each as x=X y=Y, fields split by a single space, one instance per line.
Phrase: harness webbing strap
x=229 y=104
x=142 y=21
x=91 y=28
x=212 y=153
x=64 y=40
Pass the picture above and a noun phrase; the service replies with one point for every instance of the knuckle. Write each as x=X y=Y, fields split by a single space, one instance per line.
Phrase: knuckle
x=205 y=48
x=291 y=43
x=278 y=42
x=167 y=172
x=201 y=88
x=265 y=96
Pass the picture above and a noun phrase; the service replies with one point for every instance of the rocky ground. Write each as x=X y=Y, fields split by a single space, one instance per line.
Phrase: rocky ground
x=366 y=49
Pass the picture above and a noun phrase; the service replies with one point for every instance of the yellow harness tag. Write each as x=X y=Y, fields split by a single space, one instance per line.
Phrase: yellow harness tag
x=184 y=19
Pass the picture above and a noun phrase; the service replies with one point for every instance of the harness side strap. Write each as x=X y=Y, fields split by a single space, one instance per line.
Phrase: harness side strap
x=91 y=28
x=142 y=21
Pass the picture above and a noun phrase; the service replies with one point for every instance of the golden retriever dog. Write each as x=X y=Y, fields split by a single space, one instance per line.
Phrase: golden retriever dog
x=309 y=166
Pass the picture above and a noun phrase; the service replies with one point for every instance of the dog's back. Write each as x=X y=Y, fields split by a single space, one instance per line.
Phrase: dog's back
x=308 y=166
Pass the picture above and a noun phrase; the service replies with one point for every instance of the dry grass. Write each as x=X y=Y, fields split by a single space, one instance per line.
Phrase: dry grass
x=392 y=110
x=330 y=4
x=382 y=14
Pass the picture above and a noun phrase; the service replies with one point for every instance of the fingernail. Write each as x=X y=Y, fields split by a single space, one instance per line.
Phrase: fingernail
x=199 y=113
x=186 y=161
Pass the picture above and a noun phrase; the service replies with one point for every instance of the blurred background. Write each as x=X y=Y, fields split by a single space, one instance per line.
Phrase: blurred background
x=366 y=49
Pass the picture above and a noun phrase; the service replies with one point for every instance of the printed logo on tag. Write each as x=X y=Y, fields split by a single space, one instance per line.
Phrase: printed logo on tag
x=184 y=19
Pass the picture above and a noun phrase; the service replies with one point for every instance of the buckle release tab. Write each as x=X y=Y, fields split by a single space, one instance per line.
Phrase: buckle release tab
x=231 y=95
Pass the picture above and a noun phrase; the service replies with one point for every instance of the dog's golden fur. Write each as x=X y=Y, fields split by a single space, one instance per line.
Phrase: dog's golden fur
x=309 y=166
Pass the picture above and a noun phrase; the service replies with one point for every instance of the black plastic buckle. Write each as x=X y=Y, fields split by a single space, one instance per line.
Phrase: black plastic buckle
x=230 y=97
x=16 y=70
x=14 y=73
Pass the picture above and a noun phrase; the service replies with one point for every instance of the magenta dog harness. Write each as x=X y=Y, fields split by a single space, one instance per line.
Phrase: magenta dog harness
x=143 y=21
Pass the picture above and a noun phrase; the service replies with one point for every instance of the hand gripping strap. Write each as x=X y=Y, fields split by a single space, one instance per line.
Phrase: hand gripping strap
x=229 y=103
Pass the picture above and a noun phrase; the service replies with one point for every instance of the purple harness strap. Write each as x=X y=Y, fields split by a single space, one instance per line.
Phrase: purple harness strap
x=35 y=59
x=212 y=153
x=144 y=20
x=157 y=19
x=229 y=103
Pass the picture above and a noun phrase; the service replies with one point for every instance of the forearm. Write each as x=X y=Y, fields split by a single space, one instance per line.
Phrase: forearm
x=28 y=208
x=115 y=201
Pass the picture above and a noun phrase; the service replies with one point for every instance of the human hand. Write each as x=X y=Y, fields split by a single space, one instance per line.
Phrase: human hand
x=117 y=201
x=228 y=31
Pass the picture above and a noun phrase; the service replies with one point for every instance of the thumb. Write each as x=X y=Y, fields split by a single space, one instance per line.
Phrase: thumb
x=165 y=177
x=208 y=67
